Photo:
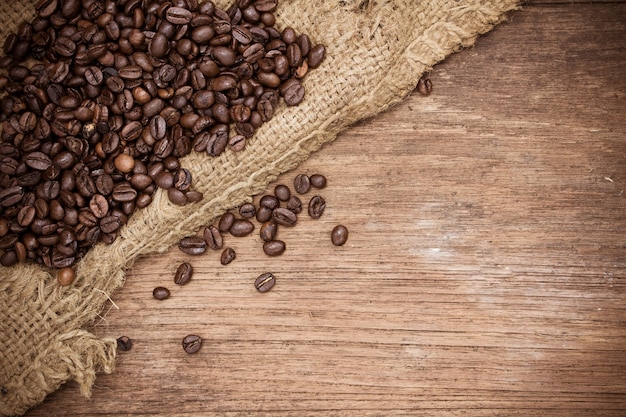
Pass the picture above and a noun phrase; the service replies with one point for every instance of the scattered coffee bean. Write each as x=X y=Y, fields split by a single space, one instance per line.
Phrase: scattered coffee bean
x=274 y=247
x=339 y=235
x=247 y=211
x=294 y=204
x=302 y=183
x=213 y=237
x=318 y=181
x=228 y=255
x=282 y=192
x=66 y=276
x=192 y=245
x=192 y=343
x=124 y=343
x=268 y=231
x=317 y=205
x=183 y=274
x=161 y=293
x=225 y=222
x=241 y=227
x=265 y=282
x=424 y=86
x=284 y=217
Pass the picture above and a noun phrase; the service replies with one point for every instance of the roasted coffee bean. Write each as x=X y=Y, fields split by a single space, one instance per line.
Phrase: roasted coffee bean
x=66 y=276
x=99 y=205
x=284 y=217
x=182 y=179
x=318 y=181
x=292 y=91
x=268 y=231
x=247 y=211
x=294 y=204
x=317 y=204
x=110 y=224
x=192 y=245
x=26 y=216
x=265 y=282
x=38 y=160
x=339 y=235
x=302 y=183
x=241 y=227
x=183 y=275
x=213 y=237
x=269 y=201
x=124 y=192
x=124 y=343
x=228 y=255
x=192 y=343
x=178 y=15
x=161 y=293
x=177 y=197
x=274 y=247
x=424 y=86
x=282 y=192
x=316 y=56
x=263 y=214
x=226 y=221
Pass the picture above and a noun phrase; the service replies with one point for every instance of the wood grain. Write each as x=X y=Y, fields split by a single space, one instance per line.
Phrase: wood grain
x=484 y=274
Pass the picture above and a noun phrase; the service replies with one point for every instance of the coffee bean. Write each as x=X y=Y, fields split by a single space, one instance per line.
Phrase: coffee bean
x=339 y=235
x=228 y=255
x=66 y=276
x=183 y=275
x=274 y=247
x=247 y=211
x=302 y=183
x=38 y=160
x=282 y=192
x=294 y=204
x=161 y=293
x=268 y=231
x=263 y=214
x=213 y=237
x=124 y=192
x=265 y=282
x=269 y=201
x=124 y=343
x=424 y=86
x=316 y=56
x=241 y=227
x=192 y=245
x=316 y=208
x=178 y=15
x=225 y=222
x=110 y=224
x=318 y=181
x=99 y=205
x=192 y=343
x=284 y=217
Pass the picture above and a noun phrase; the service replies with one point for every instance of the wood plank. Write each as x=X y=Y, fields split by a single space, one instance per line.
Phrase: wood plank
x=484 y=274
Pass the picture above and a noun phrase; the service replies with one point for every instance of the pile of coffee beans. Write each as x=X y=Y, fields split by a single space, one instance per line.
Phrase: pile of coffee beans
x=118 y=92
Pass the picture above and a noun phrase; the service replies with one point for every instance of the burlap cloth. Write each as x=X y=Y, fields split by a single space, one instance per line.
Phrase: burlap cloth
x=377 y=51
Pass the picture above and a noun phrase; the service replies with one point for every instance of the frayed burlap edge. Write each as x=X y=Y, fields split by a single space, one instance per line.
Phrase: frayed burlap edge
x=376 y=53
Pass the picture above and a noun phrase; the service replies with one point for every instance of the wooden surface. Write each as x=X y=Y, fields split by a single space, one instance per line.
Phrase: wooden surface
x=484 y=274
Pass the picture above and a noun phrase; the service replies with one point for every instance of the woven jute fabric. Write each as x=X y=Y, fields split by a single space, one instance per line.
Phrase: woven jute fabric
x=377 y=51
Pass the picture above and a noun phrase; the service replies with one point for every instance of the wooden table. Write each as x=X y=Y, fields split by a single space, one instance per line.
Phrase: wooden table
x=484 y=274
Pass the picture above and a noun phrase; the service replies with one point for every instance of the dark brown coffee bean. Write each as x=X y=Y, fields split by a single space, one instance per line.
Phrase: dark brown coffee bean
x=202 y=34
x=192 y=343
x=247 y=211
x=182 y=179
x=263 y=214
x=177 y=197
x=213 y=237
x=38 y=160
x=316 y=56
x=159 y=45
x=192 y=245
x=124 y=343
x=183 y=275
x=269 y=201
x=178 y=15
x=228 y=255
x=318 y=181
x=93 y=75
x=424 y=86
x=316 y=208
x=237 y=143
x=124 y=192
x=226 y=221
x=268 y=231
x=339 y=235
x=284 y=217
x=294 y=204
x=99 y=205
x=302 y=183
x=274 y=247
x=282 y=192
x=241 y=227
x=26 y=215
x=66 y=276
x=292 y=91
x=110 y=224
x=265 y=282
x=161 y=293
x=85 y=184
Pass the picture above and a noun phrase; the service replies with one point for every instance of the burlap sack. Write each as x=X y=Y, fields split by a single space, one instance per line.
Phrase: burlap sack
x=376 y=52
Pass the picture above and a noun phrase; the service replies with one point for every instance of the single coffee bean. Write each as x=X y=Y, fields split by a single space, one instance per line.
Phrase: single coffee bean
x=241 y=227
x=38 y=160
x=339 y=235
x=274 y=247
x=316 y=56
x=26 y=215
x=247 y=210
x=292 y=91
x=282 y=192
x=424 y=86
x=263 y=214
x=66 y=276
x=124 y=343
x=110 y=224
x=99 y=205
x=228 y=255
x=192 y=343
x=226 y=221
x=183 y=273
x=124 y=192
x=318 y=181
x=265 y=282
x=268 y=231
x=192 y=245
x=302 y=183
x=317 y=205
x=160 y=293
x=294 y=204
x=178 y=15
x=213 y=237
x=284 y=217
x=269 y=201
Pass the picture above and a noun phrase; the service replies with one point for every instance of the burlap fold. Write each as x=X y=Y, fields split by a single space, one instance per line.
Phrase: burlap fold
x=376 y=52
